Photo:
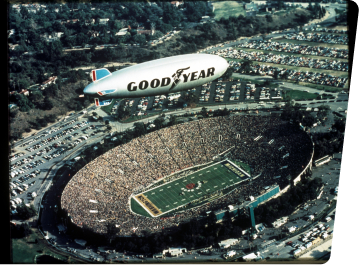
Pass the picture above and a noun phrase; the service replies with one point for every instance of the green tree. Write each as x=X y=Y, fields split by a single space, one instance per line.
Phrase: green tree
x=25 y=212
x=158 y=122
x=48 y=105
x=204 y=112
x=139 y=129
x=228 y=73
x=24 y=103
x=246 y=66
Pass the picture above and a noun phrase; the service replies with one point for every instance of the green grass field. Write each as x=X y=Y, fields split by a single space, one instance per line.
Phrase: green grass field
x=108 y=108
x=226 y=9
x=25 y=250
x=298 y=94
x=303 y=95
x=172 y=195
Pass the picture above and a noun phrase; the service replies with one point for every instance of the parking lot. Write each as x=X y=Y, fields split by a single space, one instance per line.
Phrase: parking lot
x=296 y=48
x=36 y=154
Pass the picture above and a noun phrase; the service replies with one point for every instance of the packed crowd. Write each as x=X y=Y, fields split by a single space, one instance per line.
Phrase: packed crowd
x=292 y=60
x=318 y=37
x=100 y=192
x=297 y=76
x=296 y=48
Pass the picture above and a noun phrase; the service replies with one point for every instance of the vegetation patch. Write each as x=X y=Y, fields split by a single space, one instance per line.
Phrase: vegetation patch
x=25 y=250
x=299 y=94
x=225 y=9
x=108 y=108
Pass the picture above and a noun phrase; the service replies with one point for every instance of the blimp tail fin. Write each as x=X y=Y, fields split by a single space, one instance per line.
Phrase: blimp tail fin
x=101 y=103
x=98 y=74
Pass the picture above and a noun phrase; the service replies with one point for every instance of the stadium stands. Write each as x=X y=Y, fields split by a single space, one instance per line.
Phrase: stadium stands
x=100 y=192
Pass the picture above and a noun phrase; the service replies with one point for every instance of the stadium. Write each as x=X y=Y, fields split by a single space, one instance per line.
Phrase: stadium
x=171 y=175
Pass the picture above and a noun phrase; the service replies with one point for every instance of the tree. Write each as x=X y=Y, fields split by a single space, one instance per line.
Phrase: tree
x=269 y=18
x=23 y=103
x=139 y=129
x=204 y=112
x=25 y=212
x=158 y=122
x=323 y=111
x=211 y=219
x=226 y=221
x=246 y=66
x=48 y=105
x=172 y=120
x=228 y=73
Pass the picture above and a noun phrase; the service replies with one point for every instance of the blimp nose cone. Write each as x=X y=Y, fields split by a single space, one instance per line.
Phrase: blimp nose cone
x=90 y=90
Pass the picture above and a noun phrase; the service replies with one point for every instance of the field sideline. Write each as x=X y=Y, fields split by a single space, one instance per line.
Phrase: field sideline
x=180 y=192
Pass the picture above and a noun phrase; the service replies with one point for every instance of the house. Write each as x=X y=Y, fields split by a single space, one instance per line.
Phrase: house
x=177 y=3
x=71 y=21
x=103 y=21
x=251 y=6
x=13 y=46
x=51 y=80
x=24 y=92
x=92 y=34
x=122 y=32
x=52 y=37
x=145 y=32
x=89 y=22
x=11 y=32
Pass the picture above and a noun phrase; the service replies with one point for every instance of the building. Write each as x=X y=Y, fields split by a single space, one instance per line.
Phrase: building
x=322 y=160
x=51 y=80
x=177 y=3
x=90 y=22
x=145 y=32
x=249 y=257
x=24 y=92
x=122 y=32
x=103 y=21
x=92 y=34
x=279 y=222
x=228 y=243
x=174 y=252
x=251 y=6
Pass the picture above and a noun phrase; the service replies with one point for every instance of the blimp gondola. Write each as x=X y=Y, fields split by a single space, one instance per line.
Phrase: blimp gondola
x=157 y=77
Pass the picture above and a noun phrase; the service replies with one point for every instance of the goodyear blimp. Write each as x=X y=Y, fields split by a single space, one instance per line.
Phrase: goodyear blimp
x=162 y=76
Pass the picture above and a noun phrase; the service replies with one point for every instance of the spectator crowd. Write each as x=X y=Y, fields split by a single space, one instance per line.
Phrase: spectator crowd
x=101 y=191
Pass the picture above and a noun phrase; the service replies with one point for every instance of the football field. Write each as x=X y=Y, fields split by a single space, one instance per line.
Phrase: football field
x=177 y=193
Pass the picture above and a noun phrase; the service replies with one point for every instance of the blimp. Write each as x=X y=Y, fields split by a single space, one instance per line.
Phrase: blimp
x=157 y=77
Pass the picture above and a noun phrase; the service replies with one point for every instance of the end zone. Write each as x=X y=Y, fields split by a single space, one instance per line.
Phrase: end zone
x=147 y=205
